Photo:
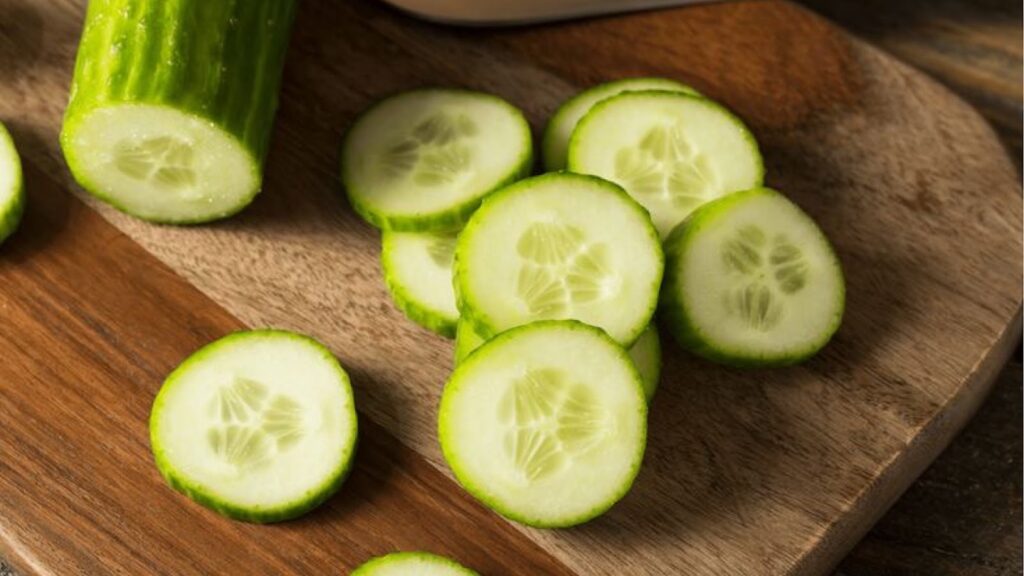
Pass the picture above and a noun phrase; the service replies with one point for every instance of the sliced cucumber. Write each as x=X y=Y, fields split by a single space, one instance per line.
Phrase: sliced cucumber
x=670 y=151
x=412 y=564
x=751 y=280
x=418 y=271
x=555 y=145
x=12 y=191
x=421 y=161
x=545 y=423
x=555 y=246
x=173 y=102
x=645 y=353
x=259 y=426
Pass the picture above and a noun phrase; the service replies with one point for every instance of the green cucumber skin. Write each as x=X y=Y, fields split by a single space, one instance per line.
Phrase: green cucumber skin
x=219 y=60
x=202 y=496
x=12 y=213
x=674 y=316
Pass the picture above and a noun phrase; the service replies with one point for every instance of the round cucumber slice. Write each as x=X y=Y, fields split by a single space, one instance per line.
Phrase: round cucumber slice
x=645 y=353
x=670 y=151
x=751 y=280
x=160 y=164
x=559 y=246
x=412 y=564
x=259 y=426
x=418 y=271
x=555 y=146
x=12 y=191
x=421 y=161
x=545 y=423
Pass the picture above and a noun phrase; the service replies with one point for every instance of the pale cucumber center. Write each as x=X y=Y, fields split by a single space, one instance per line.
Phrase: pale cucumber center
x=251 y=425
x=766 y=272
x=549 y=421
x=166 y=162
x=559 y=269
x=665 y=165
x=435 y=153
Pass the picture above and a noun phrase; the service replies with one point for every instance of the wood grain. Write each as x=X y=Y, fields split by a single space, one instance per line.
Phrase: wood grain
x=747 y=472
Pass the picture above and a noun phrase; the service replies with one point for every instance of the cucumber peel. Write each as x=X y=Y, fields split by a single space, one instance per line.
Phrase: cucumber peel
x=12 y=189
x=412 y=564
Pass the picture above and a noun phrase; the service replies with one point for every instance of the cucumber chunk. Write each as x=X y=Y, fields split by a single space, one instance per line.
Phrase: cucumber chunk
x=12 y=191
x=259 y=426
x=423 y=160
x=546 y=423
x=555 y=146
x=412 y=564
x=645 y=353
x=559 y=246
x=751 y=280
x=173 y=102
x=418 y=271
x=670 y=151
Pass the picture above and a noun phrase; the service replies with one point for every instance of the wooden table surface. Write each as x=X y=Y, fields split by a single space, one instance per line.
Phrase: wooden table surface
x=963 y=515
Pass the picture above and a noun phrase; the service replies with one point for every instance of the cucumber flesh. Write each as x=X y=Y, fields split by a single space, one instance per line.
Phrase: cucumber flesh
x=412 y=564
x=545 y=423
x=418 y=271
x=751 y=280
x=670 y=151
x=556 y=135
x=259 y=426
x=422 y=161
x=12 y=191
x=559 y=246
x=172 y=104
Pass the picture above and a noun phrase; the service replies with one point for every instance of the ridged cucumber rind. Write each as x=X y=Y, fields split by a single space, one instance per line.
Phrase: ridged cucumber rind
x=468 y=305
x=454 y=217
x=446 y=431
x=555 y=140
x=678 y=318
x=423 y=313
x=393 y=564
x=204 y=496
x=13 y=207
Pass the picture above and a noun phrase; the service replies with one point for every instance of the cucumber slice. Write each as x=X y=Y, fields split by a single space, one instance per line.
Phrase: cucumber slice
x=418 y=271
x=752 y=281
x=555 y=146
x=412 y=564
x=12 y=191
x=259 y=426
x=645 y=353
x=670 y=151
x=546 y=423
x=556 y=246
x=173 y=102
x=421 y=161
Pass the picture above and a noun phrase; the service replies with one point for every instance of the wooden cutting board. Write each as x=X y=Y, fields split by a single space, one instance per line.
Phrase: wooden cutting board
x=747 y=472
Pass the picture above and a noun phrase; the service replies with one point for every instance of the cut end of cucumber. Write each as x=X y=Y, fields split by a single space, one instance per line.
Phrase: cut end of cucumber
x=670 y=151
x=566 y=407
x=418 y=272
x=752 y=280
x=160 y=164
x=412 y=564
x=12 y=191
x=259 y=425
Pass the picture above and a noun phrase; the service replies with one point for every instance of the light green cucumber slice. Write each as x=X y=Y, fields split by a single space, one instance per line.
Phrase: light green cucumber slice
x=555 y=146
x=558 y=246
x=546 y=423
x=751 y=280
x=259 y=426
x=645 y=353
x=12 y=191
x=423 y=160
x=173 y=102
x=418 y=271
x=670 y=151
x=412 y=564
